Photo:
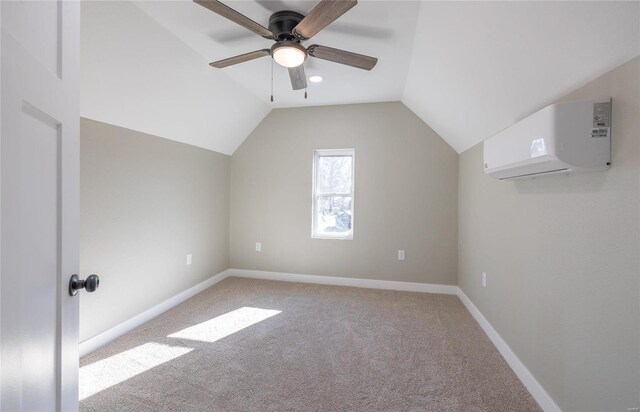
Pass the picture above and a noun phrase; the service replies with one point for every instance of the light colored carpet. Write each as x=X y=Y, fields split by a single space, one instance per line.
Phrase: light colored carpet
x=253 y=345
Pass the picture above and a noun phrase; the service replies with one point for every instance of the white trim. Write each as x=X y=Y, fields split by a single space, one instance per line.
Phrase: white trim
x=109 y=335
x=526 y=377
x=353 y=282
x=541 y=396
x=314 y=203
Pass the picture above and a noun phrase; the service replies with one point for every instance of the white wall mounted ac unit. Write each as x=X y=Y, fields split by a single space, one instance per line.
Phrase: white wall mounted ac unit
x=561 y=138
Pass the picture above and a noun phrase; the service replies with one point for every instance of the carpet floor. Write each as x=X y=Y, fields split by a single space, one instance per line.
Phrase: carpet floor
x=254 y=345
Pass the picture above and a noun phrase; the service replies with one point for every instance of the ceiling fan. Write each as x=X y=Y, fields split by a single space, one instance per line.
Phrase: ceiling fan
x=289 y=29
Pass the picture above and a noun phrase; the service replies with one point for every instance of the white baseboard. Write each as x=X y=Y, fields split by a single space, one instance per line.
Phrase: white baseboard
x=109 y=335
x=526 y=377
x=533 y=386
x=338 y=281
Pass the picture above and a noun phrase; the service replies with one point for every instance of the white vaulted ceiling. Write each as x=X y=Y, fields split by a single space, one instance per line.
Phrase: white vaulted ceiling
x=482 y=66
x=468 y=69
x=137 y=75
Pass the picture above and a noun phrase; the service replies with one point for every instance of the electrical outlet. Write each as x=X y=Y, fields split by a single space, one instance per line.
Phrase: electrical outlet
x=484 y=280
x=400 y=254
x=258 y=247
x=188 y=259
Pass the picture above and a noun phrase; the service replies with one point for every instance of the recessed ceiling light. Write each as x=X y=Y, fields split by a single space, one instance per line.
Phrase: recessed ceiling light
x=315 y=78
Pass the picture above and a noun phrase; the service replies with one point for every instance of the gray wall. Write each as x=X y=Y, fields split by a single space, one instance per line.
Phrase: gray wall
x=562 y=258
x=405 y=195
x=145 y=203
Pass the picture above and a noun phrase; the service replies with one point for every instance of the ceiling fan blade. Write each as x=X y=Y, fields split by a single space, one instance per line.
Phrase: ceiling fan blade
x=321 y=16
x=343 y=57
x=236 y=17
x=298 y=77
x=240 y=58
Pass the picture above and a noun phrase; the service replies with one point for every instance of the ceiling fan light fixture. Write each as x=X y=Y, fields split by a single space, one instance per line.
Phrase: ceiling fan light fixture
x=288 y=54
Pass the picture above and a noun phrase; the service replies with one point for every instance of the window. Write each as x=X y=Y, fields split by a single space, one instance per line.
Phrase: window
x=333 y=189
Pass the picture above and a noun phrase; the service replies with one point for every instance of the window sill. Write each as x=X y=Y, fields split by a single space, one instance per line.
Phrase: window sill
x=326 y=237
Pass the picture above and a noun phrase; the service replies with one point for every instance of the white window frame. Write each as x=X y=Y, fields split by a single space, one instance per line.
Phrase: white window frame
x=314 y=215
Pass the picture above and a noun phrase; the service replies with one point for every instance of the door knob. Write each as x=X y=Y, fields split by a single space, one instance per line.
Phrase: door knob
x=90 y=284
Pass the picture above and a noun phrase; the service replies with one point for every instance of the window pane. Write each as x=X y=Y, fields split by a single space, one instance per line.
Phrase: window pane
x=334 y=215
x=334 y=174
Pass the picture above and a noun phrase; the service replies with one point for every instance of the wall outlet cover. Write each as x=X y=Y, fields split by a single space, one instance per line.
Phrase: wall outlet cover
x=189 y=259
x=400 y=254
x=484 y=279
x=258 y=247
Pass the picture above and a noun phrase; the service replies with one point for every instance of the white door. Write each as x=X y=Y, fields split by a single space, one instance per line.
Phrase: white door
x=39 y=212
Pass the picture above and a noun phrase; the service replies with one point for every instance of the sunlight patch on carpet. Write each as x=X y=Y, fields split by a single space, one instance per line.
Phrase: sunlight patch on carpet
x=118 y=368
x=225 y=325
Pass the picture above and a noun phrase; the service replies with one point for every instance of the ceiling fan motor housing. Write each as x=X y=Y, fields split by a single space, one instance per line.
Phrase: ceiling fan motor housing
x=281 y=24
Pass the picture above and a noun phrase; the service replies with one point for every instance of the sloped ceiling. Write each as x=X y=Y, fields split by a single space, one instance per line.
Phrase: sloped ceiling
x=468 y=69
x=137 y=75
x=478 y=67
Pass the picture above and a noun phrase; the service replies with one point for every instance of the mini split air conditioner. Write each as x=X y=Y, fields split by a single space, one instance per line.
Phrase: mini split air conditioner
x=561 y=138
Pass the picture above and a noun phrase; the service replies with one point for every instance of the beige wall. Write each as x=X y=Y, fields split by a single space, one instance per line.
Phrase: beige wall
x=562 y=258
x=405 y=195
x=145 y=203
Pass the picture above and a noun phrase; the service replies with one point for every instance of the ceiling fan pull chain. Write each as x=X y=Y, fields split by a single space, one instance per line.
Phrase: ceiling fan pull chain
x=305 y=80
x=271 y=80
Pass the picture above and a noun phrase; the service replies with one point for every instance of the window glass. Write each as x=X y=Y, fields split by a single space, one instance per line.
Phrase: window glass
x=333 y=194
